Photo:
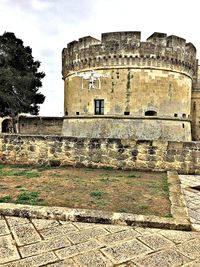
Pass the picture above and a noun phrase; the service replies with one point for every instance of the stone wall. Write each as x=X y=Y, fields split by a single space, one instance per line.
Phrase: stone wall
x=40 y=125
x=116 y=153
x=128 y=127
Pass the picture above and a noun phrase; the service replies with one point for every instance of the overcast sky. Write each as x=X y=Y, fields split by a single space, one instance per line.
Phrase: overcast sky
x=48 y=25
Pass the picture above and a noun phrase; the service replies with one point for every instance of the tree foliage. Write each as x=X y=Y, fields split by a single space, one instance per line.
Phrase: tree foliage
x=20 y=79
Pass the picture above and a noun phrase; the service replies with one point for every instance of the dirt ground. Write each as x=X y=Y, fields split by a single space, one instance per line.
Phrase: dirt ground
x=101 y=189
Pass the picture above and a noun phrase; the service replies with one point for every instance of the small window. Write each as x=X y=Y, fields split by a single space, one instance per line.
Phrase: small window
x=150 y=113
x=126 y=113
x=99 y=107
x=22 y=125
x=66 y=113
x=175 y=115
x=183 y=125
x=77 y=113
x=184 y=115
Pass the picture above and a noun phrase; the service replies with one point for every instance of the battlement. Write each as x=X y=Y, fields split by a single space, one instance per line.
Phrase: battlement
x=125 y=49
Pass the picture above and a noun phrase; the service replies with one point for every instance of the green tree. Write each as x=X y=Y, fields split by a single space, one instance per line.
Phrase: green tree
x=20 y=79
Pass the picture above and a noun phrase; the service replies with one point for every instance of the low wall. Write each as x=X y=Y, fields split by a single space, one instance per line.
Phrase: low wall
x=40 y=125
x=116 y=153
x=127 y=127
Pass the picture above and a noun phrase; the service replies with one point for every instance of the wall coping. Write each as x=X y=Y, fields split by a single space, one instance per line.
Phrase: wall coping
x=125 y=117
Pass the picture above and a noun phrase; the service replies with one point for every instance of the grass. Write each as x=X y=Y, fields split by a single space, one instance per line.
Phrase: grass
x=97 y=194
x=110 y=190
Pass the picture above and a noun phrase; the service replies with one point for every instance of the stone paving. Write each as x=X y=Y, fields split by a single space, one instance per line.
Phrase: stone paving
x=54 y=243
x=192 y=197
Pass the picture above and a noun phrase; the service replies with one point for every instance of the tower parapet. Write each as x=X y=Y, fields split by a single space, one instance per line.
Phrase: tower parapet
x=125 y=49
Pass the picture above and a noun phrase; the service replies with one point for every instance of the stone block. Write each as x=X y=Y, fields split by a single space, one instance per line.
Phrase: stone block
x=8 y=251
x=74 y=250
x=126 y=251
x=167 y=258
x=95 y=259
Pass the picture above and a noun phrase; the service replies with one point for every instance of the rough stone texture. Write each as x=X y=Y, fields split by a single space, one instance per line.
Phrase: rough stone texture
x=192 y=198
x=176 y=248
x=8 y=251
x=126 y=251
x=40 y=125
x=25 y=234
x=165 y=258
x=97 y=152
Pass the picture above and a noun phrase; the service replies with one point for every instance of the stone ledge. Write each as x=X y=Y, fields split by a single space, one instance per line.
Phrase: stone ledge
x=92 y=216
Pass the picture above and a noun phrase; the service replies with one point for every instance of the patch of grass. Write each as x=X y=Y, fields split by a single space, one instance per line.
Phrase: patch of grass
x=133 y=175
x=28 y=197
x=2 y=166
x=165 y=185
x=55 y=174
x=97 y=194
x=122 y=210
x=18 y=166
x=32 y=175
x=18 y=186
x=3 y=187
x=6 y=199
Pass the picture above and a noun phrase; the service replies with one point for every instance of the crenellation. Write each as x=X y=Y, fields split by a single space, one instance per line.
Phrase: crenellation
x=128 y=44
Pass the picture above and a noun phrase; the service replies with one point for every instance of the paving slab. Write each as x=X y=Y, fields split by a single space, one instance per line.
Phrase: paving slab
x=3 y=227
x=94 y=259
x=38 y=260
x=8 y=250
x=166 y=258
x=25 y=234
x=156 y=241
x=126 y=251
x=55 y=243
x=77 y=249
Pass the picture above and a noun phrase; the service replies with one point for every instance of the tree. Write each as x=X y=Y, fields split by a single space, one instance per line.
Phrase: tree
x=20 y=79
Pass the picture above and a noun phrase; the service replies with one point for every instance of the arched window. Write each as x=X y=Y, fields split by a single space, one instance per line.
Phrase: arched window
x=150 y=113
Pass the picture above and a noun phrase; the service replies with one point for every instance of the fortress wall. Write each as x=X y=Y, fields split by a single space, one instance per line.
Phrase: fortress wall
x=128 y=128
x=132 y=90
x=116 y=153
x=40 y=125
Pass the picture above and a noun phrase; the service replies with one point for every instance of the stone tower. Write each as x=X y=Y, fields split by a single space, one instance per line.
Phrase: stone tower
x=120 y=87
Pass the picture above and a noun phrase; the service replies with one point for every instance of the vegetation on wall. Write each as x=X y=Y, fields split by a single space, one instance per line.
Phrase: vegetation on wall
x=20 y=79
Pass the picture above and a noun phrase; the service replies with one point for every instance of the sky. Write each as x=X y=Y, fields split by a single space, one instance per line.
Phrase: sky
x=48 y=25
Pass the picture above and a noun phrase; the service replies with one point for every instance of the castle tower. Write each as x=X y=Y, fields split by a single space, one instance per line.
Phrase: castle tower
x=120 y=87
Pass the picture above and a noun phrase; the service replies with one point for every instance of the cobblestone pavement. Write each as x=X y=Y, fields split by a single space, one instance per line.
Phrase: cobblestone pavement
x=52 y=243
x=192 y=197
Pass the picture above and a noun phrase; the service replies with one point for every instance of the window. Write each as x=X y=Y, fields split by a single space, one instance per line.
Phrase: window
x=77 y=113
x=184 y=115
x=126 y=113
x=99 y=107
x=175 y=115
x=150 y=113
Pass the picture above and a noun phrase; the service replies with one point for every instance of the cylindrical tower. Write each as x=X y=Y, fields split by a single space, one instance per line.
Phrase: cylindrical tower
x=120 y=87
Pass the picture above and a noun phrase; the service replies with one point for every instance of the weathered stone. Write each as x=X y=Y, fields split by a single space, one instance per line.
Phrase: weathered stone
x=126 y=251
x=95 y=259
x=8 y=251
x=165 y=258
x=77 y=249
x=86 y=235
x=156 y=242
x=58 y=231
